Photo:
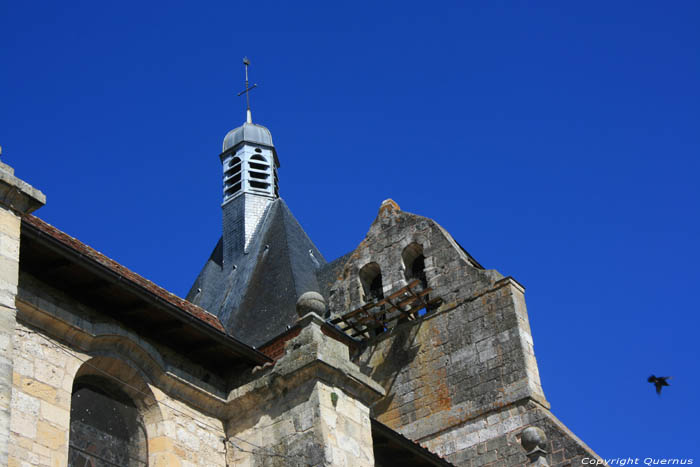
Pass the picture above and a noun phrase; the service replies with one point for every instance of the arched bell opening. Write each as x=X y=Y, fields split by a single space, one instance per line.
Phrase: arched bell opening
x=371 y=280
x=414 y=264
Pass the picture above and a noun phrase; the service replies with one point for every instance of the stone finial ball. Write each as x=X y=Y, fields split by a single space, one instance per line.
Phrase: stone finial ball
x=311 y=302
x=533 y=437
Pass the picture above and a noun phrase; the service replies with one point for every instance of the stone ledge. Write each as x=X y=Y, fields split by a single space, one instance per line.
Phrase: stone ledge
x=17 y=194
x=510 y=280
x=310 y=356
x=111 y=340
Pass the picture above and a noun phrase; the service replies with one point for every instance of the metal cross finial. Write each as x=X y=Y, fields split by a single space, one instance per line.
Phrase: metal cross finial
x=249 y=117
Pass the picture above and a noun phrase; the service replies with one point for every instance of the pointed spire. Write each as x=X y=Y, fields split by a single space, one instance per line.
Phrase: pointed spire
x=249 y=115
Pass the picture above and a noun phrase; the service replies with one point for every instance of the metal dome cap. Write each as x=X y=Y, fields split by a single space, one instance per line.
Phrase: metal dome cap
x=250 y=133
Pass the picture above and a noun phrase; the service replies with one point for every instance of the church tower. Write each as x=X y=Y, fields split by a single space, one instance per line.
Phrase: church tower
x=264 y=260
x=250 y=182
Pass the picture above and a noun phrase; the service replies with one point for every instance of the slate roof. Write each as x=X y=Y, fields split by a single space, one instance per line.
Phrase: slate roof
x=256 y=299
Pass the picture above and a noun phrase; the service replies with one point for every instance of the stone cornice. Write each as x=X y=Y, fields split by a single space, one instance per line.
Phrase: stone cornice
x=18 y=195
x=311 y=356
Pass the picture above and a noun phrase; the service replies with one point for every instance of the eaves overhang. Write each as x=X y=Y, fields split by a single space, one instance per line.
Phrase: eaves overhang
x=393 y=448
x=235 y=147
x=67 y=263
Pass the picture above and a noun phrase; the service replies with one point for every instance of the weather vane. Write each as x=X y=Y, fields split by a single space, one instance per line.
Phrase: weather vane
x=249 y=117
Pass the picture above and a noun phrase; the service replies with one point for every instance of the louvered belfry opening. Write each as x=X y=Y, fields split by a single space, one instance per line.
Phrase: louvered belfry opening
x=260 y=175
x=249 y=170
x=232 y=177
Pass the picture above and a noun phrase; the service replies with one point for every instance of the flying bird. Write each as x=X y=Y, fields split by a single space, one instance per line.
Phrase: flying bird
x=659 y=382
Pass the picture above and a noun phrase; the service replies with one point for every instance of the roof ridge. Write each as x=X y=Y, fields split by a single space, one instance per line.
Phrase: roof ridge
x=286 y=245
x=303 y=231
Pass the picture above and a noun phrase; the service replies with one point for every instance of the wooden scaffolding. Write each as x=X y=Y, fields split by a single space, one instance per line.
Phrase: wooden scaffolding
x=375 y=317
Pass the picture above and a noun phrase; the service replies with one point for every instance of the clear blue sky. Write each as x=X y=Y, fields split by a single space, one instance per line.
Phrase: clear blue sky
x=557 y=141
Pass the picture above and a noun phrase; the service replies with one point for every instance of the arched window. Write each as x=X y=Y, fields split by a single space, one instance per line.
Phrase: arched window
x=371 y=280
x=414 y=264
x=106 y=428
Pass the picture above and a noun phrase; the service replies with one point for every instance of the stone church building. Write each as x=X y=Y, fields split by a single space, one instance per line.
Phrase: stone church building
x=406 y=351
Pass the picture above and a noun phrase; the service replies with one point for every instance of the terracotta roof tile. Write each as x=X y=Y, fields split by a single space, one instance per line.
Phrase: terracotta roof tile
x=94 y=255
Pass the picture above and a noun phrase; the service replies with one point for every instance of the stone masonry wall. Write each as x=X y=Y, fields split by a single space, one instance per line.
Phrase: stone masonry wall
x=313 y=424
x=456 y=377
x=9 y=269
x=178 y=435
x=450 y=272
x=188 y=438
x=453 y=366
x=310 y=408
x=494 y=439
x=16 y=199
x=471 y=355
x=345 y=424
x=179 y=432
x=307 y=407
x=41 y=396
